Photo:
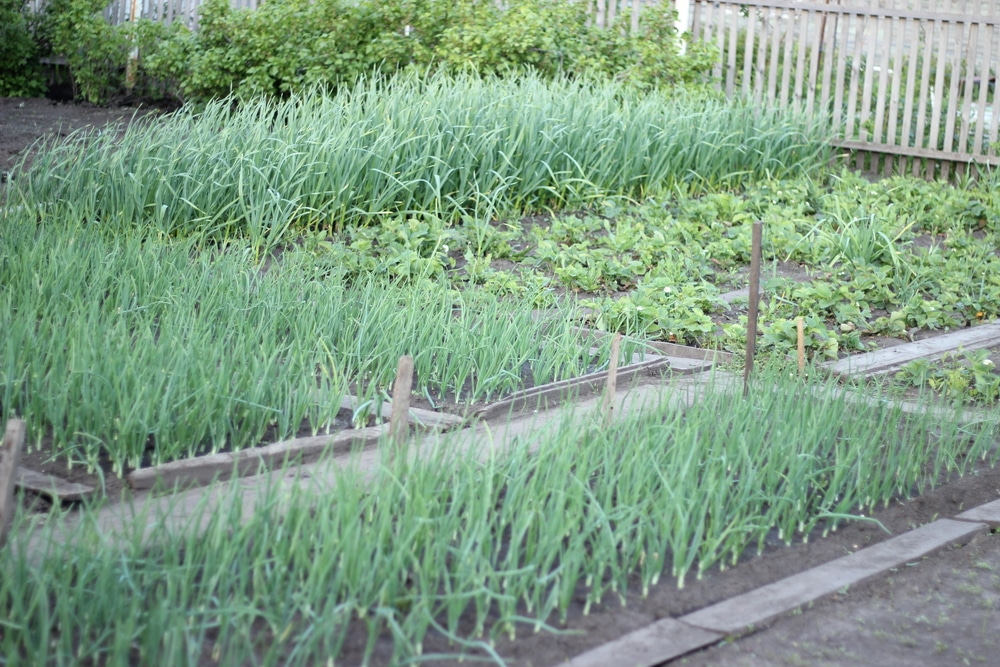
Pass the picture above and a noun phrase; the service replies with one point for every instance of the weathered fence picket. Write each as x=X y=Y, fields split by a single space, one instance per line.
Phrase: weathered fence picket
x=907 y=85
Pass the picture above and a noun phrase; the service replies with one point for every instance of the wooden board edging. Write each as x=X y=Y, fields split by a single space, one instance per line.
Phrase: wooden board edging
x=56 y=488
x=550 y=394
x=202 y=470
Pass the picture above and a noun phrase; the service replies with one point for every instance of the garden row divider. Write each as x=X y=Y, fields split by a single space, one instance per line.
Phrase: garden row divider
x=191 y=505
x=56 y=488
x=552 y=394
x=891 y=359
x=675 y=350
x=202 y=470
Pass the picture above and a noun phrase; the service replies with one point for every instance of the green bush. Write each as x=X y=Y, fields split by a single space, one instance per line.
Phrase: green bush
x=20 y=74
x=96 y=51
x=248 y=52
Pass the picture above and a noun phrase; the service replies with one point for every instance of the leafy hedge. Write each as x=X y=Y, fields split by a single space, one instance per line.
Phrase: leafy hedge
x=287 y=46
x=20 y=75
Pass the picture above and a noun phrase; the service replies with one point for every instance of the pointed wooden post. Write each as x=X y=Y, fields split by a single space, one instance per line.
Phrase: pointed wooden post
x=755 y=252
x=800 y=336
x=612 y=384
x=10 y=456
x=399 y=422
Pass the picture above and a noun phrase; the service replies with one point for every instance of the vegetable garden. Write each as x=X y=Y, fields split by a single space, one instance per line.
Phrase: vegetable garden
x=223 y=276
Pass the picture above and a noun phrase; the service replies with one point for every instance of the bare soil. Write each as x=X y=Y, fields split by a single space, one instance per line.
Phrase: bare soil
x=942 y=610
x=23 y=121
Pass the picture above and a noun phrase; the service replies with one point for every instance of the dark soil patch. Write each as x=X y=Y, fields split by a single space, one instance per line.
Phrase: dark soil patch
x=23 y=121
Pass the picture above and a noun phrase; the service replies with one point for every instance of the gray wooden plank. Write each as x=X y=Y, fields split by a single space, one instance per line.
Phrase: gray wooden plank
x=202 y=470
x=664 y=640
x=891 y=358
x=54 y=487
x=759 y=606
x=988 y=513
x=419 y=417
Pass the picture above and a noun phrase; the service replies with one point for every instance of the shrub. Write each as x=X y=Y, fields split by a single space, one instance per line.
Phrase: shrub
x=20 y=74
x=248 y=52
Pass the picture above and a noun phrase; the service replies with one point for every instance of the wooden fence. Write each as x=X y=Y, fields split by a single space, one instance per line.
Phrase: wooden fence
x=908 y=87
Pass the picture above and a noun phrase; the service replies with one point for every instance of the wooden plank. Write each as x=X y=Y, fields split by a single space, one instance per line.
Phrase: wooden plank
x=814 y=56
x=426 y=419
x=869 y=77
x=951 y=104
x=883 y=97
x=399 y=425
x=937 y=101
x=759 y=66
x=789 y=34
x=829 y=62
x=774 y=64
x=994 y=118
x=713 y=33
x=892 y=358
x=971 y=54
x=925 y=76
x=842 y=28
x=804 y=43
x=652 y=645
x=871 y=10
x=636 y=10
x=10 y=456
x=202 y=470
x=734 y=28
x=696 y=19
x=674 y=350
x=736 y=615
x=920 y=153
x=56 y=488
x=855 y=81
x=896 y=63
x=547 y=395
x=984 y=87
x=748 y=53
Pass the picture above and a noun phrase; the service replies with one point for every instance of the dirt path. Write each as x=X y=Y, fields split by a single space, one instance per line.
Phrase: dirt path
x=942 y=610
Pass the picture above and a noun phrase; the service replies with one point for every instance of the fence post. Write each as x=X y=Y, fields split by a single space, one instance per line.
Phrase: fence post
x=683 y=23
x=133 y=56
x=10 y=455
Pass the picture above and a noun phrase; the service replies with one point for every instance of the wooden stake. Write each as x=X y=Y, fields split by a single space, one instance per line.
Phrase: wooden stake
x=801 y=340
x=399 y=418
x=754 y=303
x=10 y=456
x=612 y=384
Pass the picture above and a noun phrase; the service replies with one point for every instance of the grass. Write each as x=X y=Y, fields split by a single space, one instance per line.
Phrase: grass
x=496 y=543
x=457 y=148
x=137 y=351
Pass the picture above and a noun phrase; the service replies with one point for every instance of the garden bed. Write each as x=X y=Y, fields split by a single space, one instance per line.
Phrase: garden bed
x=591 y=605
x=215 y=296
